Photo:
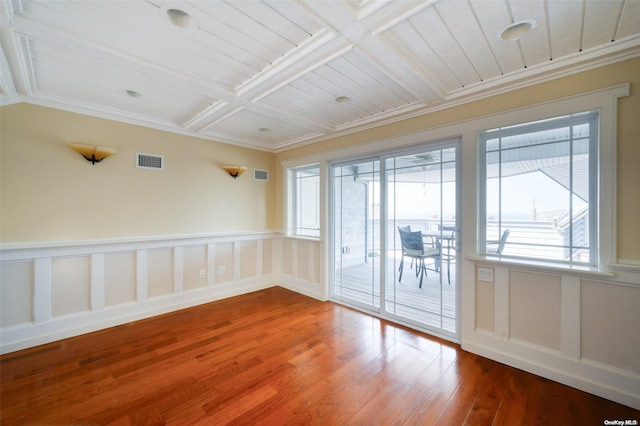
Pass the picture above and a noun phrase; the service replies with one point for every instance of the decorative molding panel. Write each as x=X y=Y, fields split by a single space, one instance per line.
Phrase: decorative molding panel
x=90 y=256
x=302 y=273
x=615 y=375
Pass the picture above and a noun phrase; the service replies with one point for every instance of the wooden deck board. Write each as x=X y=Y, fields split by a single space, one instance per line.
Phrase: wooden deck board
x=434 y=304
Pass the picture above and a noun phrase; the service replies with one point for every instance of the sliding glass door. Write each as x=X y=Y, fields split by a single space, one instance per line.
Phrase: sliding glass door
x=375 y=203
x=356 y=233
x=421 y=203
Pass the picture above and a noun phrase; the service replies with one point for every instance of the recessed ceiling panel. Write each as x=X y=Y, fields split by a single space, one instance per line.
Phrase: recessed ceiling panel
x=257 y=129
x=95 y=82
x=473 y=41
x=492 y=20
x=225 y=69
x=420 y=55
x=364 y=90
x=565 y=31
x=601 y=21
x=136 y=32
x=434 y=32
x=535 y=45
x=629 y=21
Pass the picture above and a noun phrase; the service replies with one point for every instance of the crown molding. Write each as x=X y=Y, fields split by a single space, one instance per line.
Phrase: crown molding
x=519 y=80
x=138 y=120
x=588 y=60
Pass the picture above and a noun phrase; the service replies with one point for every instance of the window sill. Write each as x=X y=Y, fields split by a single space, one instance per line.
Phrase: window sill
x=626 y=267
x=540 y=266
x=302 y=238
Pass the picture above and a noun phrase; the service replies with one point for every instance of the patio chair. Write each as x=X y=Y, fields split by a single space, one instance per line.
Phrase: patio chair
x=404 y=229
x=413 y=247
x=498 y=245
x=446 y=244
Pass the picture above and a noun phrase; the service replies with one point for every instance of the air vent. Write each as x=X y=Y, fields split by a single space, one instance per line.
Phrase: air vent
x=261 y=175
x=149 y=161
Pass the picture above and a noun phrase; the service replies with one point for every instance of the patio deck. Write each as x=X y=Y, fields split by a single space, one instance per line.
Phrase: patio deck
x=433 y=305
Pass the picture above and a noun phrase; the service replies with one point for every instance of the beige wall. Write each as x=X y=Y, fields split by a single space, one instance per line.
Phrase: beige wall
x=50 y=193
x=628 y=135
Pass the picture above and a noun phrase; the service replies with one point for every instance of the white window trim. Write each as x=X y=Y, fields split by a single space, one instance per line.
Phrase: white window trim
x=590 y=117
x=604 y=100
x=288 y=204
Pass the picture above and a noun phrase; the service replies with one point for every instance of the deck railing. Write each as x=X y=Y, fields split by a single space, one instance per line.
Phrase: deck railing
x=533 y=239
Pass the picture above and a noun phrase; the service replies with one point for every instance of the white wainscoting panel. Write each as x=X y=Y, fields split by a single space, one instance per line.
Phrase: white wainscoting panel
x=55 y=290
x=119 y=278
x=16 y=293
x=70 y=285
x=534 y=308
x=609 y=323
x=194 y=261
x=577 y=329
x=301 y=267
x=160 y=267
x=247 y=260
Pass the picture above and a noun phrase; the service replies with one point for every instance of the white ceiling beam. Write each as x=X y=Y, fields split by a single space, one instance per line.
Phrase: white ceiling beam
x=18 y=74
x=386 y=19
x=332 y=15
x=289 y=61
x=204 y=116
x=411 y=48
x=7 y=86
x=302 y=67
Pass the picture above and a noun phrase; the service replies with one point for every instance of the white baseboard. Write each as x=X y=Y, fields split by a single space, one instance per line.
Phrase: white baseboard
x=307 y=288
x=30 y=335
x=616 y=385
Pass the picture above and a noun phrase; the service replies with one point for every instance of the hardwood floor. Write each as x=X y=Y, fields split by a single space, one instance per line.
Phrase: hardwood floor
x=276 y=357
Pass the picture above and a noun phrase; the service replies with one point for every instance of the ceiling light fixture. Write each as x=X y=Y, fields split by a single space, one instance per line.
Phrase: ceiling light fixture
x=516 y=30
x=342 y=99
x=179 y=17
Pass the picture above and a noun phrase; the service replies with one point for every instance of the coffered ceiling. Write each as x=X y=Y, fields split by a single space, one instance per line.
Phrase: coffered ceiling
x=273 y=74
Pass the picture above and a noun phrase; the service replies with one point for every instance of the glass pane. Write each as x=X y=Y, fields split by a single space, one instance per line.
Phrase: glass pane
x=307 y=196
x=537 y=193
x=492 y=202
x=536 y=138
x=421 y=198
x=356 y=204
x=492 y=144
x=579 y=250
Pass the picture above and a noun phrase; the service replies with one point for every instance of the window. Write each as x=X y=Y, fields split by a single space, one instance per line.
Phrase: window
x=539 y=183
x=304 y=201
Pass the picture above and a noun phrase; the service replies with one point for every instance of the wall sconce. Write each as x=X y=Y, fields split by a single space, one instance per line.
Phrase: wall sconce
x=235 y=171
x=95 y=154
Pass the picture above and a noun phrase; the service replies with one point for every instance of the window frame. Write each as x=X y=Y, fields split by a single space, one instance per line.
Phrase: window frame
x=292 y=201
x=592 y=118
x=604 y=100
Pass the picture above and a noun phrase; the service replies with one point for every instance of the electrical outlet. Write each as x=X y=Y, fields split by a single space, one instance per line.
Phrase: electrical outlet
x=203 y=273
x=222 y=270
x=485 y=274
